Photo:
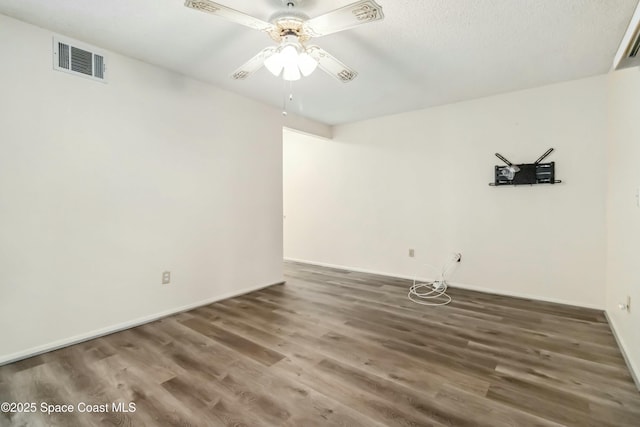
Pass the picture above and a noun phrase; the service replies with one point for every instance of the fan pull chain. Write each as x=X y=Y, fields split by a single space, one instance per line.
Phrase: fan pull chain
x=284 y=98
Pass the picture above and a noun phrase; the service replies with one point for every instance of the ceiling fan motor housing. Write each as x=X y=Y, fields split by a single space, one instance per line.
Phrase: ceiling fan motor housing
x=286 y=23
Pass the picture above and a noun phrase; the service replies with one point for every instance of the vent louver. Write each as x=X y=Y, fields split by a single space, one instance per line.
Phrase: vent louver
x=63 y=56
x=81 y=61
x=78 y=59
x=98 y=66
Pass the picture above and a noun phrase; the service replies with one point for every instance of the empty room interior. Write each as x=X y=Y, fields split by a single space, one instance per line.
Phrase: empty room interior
x=310 y=213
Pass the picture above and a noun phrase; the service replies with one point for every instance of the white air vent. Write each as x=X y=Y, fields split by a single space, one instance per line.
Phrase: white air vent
x=629 y=51
x=79 y=59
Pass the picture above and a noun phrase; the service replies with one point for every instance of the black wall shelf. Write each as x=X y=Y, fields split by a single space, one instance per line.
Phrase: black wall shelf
x=529 y=174
x=525 y=173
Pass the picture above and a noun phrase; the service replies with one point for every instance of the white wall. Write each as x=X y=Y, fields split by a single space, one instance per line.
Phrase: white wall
x=103 y=187
x=420 y=180
x=623 y=214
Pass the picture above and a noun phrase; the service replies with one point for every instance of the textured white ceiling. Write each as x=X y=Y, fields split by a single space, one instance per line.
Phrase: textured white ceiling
x=424 y=53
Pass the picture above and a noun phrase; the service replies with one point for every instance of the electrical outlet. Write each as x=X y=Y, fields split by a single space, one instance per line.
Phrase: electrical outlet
x=412 y=253
x=166 y=277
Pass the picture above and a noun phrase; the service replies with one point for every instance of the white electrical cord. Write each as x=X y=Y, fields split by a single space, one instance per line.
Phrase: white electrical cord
x=436 y=293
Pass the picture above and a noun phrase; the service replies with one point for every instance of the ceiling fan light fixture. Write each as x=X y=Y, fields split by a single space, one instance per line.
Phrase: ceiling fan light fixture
x=288 y=59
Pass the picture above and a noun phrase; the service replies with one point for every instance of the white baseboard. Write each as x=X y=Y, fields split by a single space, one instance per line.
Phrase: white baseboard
x=55 y=345
x=466 y=286
x=356 y=269
x=635 y=372
x=502 y=292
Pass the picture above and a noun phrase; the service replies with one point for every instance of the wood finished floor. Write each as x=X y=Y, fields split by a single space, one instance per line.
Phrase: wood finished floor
x=333 y=347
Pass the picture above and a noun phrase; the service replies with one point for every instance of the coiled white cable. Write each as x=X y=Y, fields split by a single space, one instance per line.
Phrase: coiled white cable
x=436 y=293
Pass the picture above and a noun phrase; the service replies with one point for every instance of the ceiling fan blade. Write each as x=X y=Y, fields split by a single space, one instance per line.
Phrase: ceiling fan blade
x=252 y=65
x=331 y=65
x=358 y=13
x=229 y=14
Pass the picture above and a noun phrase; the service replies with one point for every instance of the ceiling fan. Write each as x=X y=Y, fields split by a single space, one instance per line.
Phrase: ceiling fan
x=292 y=29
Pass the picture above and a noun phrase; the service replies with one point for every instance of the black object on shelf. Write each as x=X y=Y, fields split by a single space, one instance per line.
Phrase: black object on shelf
x=525 y=173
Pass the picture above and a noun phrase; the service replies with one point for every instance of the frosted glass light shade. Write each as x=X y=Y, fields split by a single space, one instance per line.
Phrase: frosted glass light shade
x=274 y=64
x=289 y=55
x=306 y=64
x=291 y=72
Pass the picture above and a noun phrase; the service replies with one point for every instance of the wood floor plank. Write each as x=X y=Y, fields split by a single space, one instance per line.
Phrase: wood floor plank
x=340 y=348
x=470 y=406
x=384 y=412
x=251 y=349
